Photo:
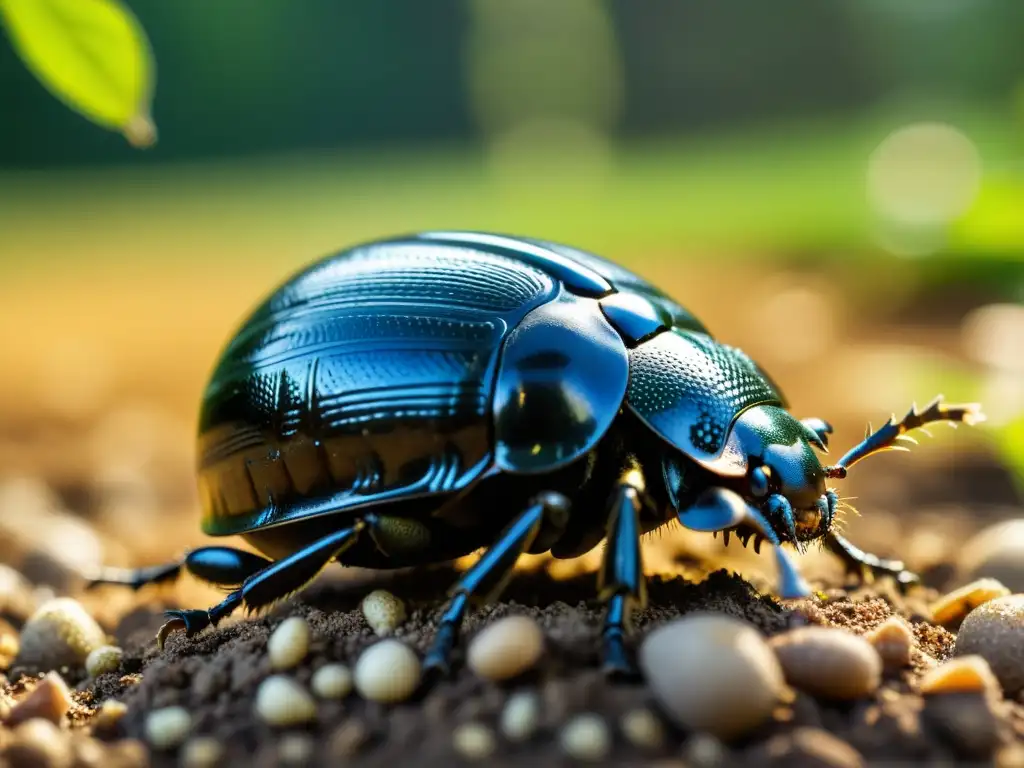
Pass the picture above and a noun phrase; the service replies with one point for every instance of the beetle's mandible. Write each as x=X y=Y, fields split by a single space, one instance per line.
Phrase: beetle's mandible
x=412 y=400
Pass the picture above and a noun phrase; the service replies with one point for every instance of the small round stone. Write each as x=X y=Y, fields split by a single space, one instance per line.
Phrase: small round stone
x=383 y=611
x=710 y=672
x=60 y=634
x=520 y=717
x=996 y=552
x=289 y=643
x=388 y=672
x=893 y=641
x=109 y=714
x=168 y=728
x=643 y=728
x=282 y=702
x=829 y=663
x=332 y=681
x=950 y=609
x=995 y=631
x=295 y=749
x=586 y=737
x=37 y=743
x=506 y=648
x=474 y=741
x=106 y=658
x=202 y=752
x=49 y=700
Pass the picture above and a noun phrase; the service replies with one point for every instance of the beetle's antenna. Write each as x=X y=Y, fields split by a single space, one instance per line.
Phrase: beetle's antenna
x=892 y=433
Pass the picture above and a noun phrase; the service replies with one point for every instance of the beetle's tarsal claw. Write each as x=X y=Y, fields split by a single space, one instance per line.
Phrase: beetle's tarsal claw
x=193 y=622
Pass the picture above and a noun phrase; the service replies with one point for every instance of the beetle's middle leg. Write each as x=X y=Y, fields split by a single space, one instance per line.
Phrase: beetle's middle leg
x=621 y=581
x=489 y=575
x=272 y=583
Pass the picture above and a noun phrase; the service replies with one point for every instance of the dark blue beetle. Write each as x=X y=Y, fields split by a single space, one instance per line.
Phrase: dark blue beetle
x=412 y=400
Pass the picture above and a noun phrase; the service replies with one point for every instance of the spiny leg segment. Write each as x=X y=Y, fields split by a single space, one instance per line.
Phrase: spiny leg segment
x=273 y=582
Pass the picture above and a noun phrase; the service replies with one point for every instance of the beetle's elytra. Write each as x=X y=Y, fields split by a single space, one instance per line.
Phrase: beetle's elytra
x=412 y=400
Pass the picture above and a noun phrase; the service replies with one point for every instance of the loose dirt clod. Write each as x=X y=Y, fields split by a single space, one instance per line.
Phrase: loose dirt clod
x=49 y=700
x=893 y=640
x=202 y=752
x=388 y=672
x=282 y=702
x=829 y=663
x=288 y=644
x=712 y=673
x=384 y=612
x=332 y=681
x=168 y=728
x=60 y=634
x=966 y=674
x=995 y=631
x=106 y=658
x=474 y=741
x=520 y=716
x=586 y=737
x=643 y=729
x=949 y=610
x=506 y=648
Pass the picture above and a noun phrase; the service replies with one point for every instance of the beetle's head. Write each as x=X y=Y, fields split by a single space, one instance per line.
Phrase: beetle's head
x=783 y=477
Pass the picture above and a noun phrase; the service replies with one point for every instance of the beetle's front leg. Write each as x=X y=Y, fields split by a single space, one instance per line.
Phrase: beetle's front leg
x=719 y=509
x=865 y=565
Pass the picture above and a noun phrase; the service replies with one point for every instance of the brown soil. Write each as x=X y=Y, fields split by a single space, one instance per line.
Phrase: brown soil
x=215 y=676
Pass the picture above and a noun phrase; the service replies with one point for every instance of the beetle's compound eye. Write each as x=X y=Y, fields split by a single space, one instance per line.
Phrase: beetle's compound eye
x=759 y=480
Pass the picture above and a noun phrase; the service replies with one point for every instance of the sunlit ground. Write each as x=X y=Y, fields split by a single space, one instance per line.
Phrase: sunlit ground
x=120 y=287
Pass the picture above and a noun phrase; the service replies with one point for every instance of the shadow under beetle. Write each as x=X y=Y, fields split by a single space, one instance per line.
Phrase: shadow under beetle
x=412 y=400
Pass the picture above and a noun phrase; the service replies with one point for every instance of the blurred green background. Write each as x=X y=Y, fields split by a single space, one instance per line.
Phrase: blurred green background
x=837 y=187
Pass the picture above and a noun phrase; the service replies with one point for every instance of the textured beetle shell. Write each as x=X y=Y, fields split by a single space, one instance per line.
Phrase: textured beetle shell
x=372 y=376
x=350 y=361
x=690 y=388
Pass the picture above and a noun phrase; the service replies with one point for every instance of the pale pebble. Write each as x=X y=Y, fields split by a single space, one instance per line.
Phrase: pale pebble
x=283 y=702
x=168 y=728
x=505 y=649
x=642 y=728
x=332 y=681
x=474 y=741
x=713 y=673
x=59 y=634
x=586 y=737
x=829 y=663
x=202 y=752
x=384 y=612
x=289 y=643
x=100 y=661
x=995 y=631
x=520 y=716
x=388 y=672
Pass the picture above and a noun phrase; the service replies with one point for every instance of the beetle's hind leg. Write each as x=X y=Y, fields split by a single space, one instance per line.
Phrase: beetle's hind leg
x=273 y=582
x=865 y=565
x=488 y=576
x=621 y=581
x=221 y=566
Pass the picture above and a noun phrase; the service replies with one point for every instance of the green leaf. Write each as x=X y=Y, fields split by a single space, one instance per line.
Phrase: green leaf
x=91 y=54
